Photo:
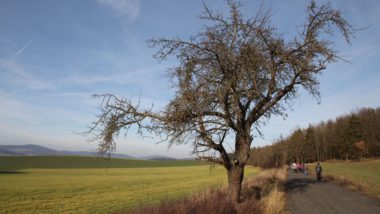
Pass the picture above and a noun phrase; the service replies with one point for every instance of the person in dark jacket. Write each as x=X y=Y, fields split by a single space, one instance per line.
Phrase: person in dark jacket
x=318 y=171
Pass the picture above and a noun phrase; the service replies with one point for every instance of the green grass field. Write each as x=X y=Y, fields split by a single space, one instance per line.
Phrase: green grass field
x=85 y=185
x=365 y=173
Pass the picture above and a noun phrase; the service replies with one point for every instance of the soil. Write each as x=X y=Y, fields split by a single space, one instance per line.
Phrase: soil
x=308 y=196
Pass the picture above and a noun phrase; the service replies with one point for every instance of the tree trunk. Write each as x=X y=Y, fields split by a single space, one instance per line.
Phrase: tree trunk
x=235 y=168
x=235 y=178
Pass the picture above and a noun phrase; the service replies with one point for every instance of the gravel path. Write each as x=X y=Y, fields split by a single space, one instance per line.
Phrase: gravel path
x=307 y=196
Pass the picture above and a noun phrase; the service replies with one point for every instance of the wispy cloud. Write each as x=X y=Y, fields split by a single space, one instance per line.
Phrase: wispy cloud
x=18 y=52
x=75 y=94
x=15 y=110
x=23 y=78
x=33 y=114
x=129 y=8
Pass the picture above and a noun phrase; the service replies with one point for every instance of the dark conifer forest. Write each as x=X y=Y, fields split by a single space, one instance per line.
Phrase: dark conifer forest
x=348 y=137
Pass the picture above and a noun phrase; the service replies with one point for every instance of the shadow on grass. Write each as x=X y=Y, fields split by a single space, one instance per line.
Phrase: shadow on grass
x=10 y=172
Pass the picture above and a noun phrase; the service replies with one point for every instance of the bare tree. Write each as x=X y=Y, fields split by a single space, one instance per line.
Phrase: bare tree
x=230 y=77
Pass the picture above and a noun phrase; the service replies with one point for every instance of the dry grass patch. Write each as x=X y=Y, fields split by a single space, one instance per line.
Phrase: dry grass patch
x=345 y=182
x=275 y=202
x=211 y=201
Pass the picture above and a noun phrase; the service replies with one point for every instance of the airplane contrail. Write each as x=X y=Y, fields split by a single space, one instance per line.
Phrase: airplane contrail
x=18 y=52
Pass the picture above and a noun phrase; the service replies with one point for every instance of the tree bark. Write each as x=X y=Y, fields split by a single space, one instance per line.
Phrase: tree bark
x=235 y=178
x=237 y=163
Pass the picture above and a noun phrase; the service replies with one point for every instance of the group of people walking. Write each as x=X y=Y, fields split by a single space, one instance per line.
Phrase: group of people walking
x=299 y=167
x=302 y=168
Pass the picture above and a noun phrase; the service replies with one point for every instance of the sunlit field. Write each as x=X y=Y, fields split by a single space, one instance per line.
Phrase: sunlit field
x=67 y=188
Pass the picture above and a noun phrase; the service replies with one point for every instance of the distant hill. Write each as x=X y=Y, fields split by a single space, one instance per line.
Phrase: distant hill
x=4 y=152
x=26 y=150
x=35 y=150
x=80 y=162
x=157 y=157
x=84 y=153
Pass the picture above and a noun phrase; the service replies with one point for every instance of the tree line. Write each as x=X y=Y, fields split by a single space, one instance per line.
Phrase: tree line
x=352 y=137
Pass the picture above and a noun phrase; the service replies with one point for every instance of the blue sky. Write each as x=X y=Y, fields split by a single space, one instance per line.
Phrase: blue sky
x=55 y=54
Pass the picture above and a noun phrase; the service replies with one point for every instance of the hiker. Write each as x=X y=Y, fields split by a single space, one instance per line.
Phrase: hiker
x=305 y=170
x=318 y=171
x=294 y=167
x=302 y=167
x=299 y=167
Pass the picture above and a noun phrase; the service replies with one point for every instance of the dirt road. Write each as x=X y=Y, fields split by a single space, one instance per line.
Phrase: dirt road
x=307 y=196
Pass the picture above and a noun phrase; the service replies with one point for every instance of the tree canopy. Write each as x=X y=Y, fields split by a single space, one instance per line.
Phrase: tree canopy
x=230 y=76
